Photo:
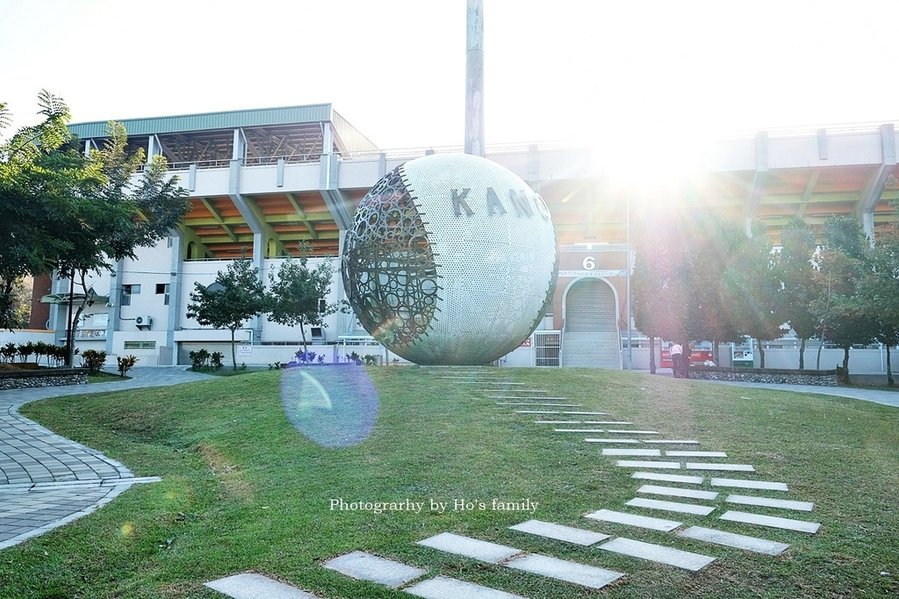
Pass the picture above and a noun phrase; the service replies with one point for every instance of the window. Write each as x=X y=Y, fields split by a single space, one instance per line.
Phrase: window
x=127 y=292
x=322 y=305
x=140 y=345
x=163 y=289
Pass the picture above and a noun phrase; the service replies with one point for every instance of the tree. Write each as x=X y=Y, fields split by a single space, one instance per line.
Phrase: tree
x=841 y=271
x=659 y=284
x=119 y=215
x=15 y=304
x=796 y=271
x=754 y=289
x=236 y=296
x=878 y=291
x=296 y=293
x=715 y=287
x=78 y=214
x=39 y=176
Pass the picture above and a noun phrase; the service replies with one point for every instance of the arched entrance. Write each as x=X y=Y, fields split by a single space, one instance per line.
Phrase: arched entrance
x=590 y=335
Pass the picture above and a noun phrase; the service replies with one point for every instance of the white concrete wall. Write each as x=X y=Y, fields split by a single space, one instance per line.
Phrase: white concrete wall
x=151 y=267
x=21 y=336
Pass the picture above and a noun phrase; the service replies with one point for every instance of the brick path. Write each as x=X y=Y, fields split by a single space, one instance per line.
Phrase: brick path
x=47 y=480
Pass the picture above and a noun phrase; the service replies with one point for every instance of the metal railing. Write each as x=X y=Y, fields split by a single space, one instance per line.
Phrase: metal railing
x=93 y=334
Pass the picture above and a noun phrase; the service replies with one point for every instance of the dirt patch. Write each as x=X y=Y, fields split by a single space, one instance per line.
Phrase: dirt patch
x=231 y=477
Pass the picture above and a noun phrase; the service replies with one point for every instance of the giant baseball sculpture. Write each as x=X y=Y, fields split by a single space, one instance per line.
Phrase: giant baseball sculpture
x=451 y=260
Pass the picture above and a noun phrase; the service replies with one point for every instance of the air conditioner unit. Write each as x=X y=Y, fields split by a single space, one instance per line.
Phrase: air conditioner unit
x=143 y=322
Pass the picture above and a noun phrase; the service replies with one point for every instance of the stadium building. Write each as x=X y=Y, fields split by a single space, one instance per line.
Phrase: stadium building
x=260 y=181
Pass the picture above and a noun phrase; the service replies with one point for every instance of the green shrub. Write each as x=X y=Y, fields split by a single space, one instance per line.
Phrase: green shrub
x=93 y=360
x=125 y=364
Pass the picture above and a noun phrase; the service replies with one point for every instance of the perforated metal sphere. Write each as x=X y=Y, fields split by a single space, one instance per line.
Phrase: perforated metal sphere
x=451 y=260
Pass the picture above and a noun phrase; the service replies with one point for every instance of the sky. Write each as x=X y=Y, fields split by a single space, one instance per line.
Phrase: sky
x=618 y=76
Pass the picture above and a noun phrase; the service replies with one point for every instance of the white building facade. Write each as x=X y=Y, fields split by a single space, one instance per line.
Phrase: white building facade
x=261 y=182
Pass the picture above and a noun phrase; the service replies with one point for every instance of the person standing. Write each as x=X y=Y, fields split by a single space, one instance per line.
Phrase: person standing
x=677 y=357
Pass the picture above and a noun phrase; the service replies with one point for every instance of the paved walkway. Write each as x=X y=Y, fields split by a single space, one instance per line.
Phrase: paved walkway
x=887 y=398
x=883 y=397
x=47 y=480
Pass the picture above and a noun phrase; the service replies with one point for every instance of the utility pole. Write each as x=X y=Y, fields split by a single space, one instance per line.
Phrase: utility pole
x=474 y=79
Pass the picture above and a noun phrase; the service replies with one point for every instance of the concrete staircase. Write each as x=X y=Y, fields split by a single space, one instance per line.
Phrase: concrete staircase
x=591 y=349
x=590 y=338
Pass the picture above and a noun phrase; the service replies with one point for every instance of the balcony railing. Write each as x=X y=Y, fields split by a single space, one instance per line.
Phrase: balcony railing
x=90 y=334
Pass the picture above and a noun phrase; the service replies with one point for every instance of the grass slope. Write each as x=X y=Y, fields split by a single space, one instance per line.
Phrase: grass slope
x=244 y=490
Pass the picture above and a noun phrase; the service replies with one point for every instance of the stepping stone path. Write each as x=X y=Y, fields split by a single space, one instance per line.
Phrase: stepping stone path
x=648 y=464
x=632 y=452
x=730 y=539
x=748 y=484
x=677 y=492
x=396 y=575
x=801 y=506
x=467 y=547
x=443 y=587
x=722 y=467
x=365 y=566
x=772 y=521
x=634 y=520
x=256 y=586
x=580 y=574
x=671 y=506
x=569 y=534
x=695 y=454
x=669 y=478
x=672 y=441
x=658 y=553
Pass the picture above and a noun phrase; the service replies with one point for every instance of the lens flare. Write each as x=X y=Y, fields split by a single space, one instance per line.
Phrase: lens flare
x=334 y=406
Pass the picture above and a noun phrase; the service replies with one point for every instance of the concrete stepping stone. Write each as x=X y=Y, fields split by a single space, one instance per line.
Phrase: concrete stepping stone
x=537 y=403
x=671 y=506
x=721 y=467
x=669 y=478
x=627 y=432
x=578 y=430
x=729 y=539
x=657 y=553
x=648 y=464
x=365 y=566
x=633 y=520
x=673 y=441
x=443 y=587
x=749 y=484
x=573 y=572
x=578 y=536
x=524 y=397
x=256 y=586
x=677 y=492
x=651 y=453
x=772 y=521
x=484 y=551
x=586 y=413
x=695 y=454
x=559 y=422
x=597 y=440
x=801 y=506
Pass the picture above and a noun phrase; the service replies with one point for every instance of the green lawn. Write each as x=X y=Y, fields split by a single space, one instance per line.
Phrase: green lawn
x=244 y=490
